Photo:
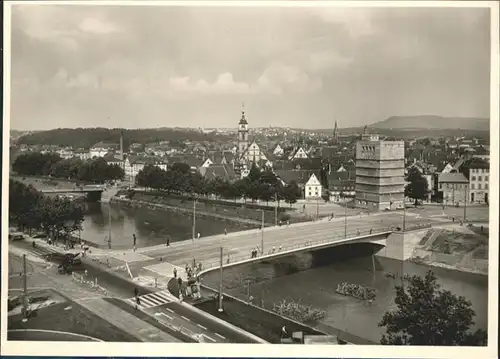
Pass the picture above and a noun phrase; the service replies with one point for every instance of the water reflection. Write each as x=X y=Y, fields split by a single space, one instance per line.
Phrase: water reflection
x=150 y=227
x=274 y=281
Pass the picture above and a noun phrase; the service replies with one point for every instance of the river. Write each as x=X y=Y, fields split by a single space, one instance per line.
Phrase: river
x=272 y=282
x=150 y=227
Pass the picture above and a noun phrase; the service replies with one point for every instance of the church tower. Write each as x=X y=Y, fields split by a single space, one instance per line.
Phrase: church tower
x=242 y=133
x=335 y=133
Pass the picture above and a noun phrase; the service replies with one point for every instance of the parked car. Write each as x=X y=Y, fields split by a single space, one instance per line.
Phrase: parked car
x=16 y=236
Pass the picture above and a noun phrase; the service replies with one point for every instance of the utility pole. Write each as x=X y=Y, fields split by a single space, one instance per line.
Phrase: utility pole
x=345 y=217
x=221 y=279
x=404 y=212
x=275 y=209
x=317 y=209
x=25 y=289
x=109 y=227
x=194 y=219
x=465 y=202
x=262 y=235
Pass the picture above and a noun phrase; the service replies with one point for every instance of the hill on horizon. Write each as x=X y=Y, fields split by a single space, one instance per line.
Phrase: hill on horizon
x=433 y=122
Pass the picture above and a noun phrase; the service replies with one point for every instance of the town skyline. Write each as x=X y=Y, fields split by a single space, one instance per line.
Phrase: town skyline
x=106 y=66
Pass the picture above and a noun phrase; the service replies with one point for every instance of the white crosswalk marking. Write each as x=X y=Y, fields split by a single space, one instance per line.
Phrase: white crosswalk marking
x=150 y=300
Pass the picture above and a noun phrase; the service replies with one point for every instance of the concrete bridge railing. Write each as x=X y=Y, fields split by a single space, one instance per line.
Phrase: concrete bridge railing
x=352 y=237
x=72 y=190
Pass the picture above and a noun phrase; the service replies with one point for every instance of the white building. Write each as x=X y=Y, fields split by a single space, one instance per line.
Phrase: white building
x=81 y=154
x=313 y=188
x=101 y=149
x=278 y=151
x=208 y=162
x=478 y=172
x=299 y=153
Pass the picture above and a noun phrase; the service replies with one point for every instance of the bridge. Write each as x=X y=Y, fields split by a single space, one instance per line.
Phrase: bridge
x=92 y=193
x=276 y=241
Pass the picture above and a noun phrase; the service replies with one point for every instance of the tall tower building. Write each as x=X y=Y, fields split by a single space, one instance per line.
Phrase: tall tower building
x=335 y=133
x=380 y=178
x=242 y=134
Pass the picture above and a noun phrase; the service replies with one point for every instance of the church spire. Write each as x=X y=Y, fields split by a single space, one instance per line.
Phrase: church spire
x=335 y=132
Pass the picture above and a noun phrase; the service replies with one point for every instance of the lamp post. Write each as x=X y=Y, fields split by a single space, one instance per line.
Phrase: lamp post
x=109 y=227
x=262 y=234
x=466 y=197
x=221 y=279
x=194 y=219
x=404 y=212
x=275 y=208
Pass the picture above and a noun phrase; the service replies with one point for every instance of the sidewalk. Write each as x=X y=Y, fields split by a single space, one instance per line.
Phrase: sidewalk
x=127 y=322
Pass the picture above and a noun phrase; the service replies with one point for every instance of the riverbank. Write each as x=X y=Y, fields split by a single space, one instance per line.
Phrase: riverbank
x=457 y=248
x=452 y=246
x=246 y=213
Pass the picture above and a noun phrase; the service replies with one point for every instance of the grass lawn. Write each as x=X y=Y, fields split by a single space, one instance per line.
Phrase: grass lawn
x=74 y=320
x=258 y=322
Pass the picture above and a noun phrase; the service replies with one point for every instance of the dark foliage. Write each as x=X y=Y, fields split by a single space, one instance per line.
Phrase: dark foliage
x=31 y=210
x=87 y=137
x=94 y=170
x=428 y=315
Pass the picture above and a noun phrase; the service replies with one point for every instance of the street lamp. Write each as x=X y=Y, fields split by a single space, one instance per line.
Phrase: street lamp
x=109 y=227
x=194 y=219
x=221 y=279
x=262 y=234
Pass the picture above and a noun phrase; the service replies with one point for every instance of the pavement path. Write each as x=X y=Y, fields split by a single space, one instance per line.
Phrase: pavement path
x=160 y=305
x=127 y=322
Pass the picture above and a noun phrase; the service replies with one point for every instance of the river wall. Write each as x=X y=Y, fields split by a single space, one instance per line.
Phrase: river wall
x=247 y=213
x=136 y=203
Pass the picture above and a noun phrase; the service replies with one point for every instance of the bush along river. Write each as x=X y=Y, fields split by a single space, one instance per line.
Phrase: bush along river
x=320 y=281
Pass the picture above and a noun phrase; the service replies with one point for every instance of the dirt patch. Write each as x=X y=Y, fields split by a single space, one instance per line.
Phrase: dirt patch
x=458 y=242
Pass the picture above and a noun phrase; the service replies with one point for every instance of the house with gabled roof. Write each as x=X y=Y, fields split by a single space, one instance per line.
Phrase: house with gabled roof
x=313 y=188
x=222 y=171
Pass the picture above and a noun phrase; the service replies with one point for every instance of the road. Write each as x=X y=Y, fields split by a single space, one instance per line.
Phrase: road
x=238 y=246
x=165 y=308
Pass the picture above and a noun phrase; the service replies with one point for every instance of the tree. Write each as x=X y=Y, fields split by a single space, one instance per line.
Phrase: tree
x=428 y=315
x=417 y=189
x=291 y=193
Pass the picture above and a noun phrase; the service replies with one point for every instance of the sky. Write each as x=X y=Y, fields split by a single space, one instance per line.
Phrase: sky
x=307 y=67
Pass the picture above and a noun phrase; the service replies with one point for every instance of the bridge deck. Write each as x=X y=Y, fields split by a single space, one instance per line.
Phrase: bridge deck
x=238 y=246
x=72 y=190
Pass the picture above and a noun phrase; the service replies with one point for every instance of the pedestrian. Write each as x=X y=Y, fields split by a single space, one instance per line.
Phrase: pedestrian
x=482 y=228
x=371 y=230
x=34 y=244
x=168 y=242
x=228 y=259
x=135 y=239
x=199 y=235
x=274 y=249
x=284 y=332
x=453 y=219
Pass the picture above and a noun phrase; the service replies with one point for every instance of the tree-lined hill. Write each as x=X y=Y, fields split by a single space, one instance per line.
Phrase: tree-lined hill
x=87 y=137
x=431 y=122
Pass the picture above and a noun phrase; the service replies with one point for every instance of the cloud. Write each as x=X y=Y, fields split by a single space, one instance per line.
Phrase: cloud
x=97 y=26
x=224 y=84
x=288 y=63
